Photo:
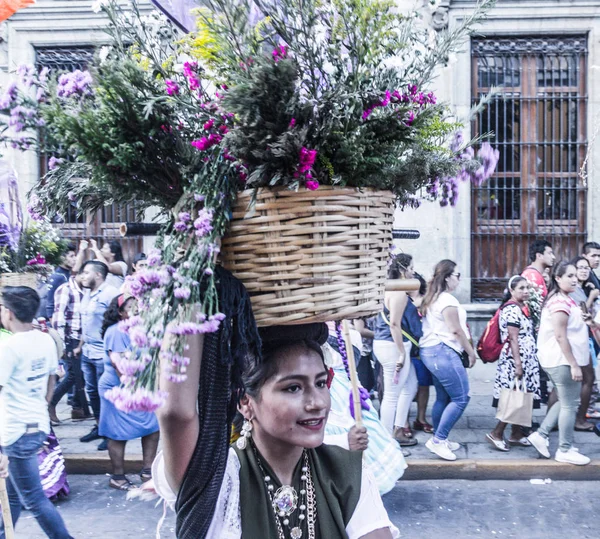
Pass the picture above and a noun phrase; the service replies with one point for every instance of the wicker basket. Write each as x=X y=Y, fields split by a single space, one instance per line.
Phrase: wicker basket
x=19 y=279
x=311 y=256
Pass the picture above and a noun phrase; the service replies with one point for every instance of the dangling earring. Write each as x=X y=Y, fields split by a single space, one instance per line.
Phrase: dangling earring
x=245 y=435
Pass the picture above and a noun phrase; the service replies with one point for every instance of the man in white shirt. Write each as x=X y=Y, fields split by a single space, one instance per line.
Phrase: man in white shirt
x=28 y=358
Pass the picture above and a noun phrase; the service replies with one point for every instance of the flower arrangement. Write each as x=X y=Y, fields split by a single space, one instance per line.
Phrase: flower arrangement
x=38 y=249
x=263 y=94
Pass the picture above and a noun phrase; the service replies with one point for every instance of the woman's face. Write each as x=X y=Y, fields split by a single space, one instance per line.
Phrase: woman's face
x=583 y=270
x=107 y=253
x=520 y=292
x=453 y=280
x=129 y=309
x=293 y=405
x=409 y=273
x=568 y=281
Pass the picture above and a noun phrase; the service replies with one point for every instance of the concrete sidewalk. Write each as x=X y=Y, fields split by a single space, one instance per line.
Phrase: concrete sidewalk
x=476 y=458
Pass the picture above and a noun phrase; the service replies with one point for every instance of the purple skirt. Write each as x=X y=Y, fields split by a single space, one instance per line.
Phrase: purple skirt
x=53 y=474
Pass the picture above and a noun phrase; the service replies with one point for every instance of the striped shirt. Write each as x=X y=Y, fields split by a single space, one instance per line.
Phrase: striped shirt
x=67 y=310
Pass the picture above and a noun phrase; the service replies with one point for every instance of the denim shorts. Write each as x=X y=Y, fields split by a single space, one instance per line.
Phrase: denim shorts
x=423 y=375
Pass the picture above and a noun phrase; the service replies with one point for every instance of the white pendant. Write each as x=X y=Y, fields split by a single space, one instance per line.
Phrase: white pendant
x=296 y=533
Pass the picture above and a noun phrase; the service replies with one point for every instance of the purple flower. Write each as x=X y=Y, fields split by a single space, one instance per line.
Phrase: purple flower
x=135 y=400
x=154 y=257
x=185 y=216
x=77 y=83
x=458 y=141
x=172 y=87
x=312 y=185
x=203 y=224
x=182 y=293
x=489 y=159
x=53 y=163
x=292 y=123
x=180 y=226
x=409 y=118
x=198 y=197
x=208 y=272
x=138 y=336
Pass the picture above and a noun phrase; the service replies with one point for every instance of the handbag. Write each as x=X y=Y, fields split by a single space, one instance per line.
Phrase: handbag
x=515 y=405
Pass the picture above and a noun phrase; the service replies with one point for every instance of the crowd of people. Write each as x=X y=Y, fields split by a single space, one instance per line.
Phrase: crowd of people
x=548 y=326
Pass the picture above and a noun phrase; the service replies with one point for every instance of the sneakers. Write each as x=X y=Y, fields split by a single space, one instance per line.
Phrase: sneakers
x=540 y=443
x=90 y=436
x=571 y=457
x=440 y=449
x=453 y=446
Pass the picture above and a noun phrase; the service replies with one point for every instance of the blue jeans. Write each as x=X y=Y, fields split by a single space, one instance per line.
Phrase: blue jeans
x=92 y=371
x=451 y=386
x=25 y=487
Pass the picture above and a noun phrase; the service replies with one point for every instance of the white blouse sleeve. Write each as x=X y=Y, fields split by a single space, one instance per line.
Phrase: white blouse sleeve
x=370 y=514
x=226 y=522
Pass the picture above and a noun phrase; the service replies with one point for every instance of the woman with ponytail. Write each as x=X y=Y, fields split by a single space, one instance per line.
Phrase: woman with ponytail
x=446 y=350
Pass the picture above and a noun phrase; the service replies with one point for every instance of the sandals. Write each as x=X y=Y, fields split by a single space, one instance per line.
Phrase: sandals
x=402 y=439
x=425 y=427
x=146 y=475
x=500 y=445
x=120 y=482
x=588 y=428
x=523 y=442
x=406 y=432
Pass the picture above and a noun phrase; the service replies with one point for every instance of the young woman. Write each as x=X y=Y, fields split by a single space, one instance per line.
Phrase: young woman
x=585 y=292
x=112 y=255
x=563 y=349
x=444 y=344
x=320 y=491
x=392 y=350
x=424 y=377
x=518 y=359
x=120 y=427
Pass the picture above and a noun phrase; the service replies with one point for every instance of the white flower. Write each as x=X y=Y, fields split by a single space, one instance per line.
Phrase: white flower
x=97 y=5
x=103 y=54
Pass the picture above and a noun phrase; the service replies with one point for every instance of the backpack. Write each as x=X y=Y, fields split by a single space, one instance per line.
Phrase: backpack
x=490 y=345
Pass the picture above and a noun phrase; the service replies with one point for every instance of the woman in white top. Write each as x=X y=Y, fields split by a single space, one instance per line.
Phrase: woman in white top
x=112 y=255
x=563 y=349
x=445 y=350
x=280 y=460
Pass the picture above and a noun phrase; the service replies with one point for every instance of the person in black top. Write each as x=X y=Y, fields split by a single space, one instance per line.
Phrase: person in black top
x=60 y=276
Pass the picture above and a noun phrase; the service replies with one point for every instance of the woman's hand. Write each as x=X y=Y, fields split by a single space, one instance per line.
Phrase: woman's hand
x=519 y=370
x=472 y=360
x=594 y=295
x=3 y=466
x=358 y=438
x=576 y=373
x=398 y=369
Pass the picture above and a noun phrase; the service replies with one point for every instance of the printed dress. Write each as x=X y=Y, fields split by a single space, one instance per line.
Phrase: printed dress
x=512 y=315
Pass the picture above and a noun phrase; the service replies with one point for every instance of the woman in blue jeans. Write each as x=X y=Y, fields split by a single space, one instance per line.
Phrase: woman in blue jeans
x=445 y=339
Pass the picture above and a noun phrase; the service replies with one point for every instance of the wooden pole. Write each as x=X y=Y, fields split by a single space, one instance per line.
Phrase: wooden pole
x=353 y=374
x=6 y=516
x=402 y=285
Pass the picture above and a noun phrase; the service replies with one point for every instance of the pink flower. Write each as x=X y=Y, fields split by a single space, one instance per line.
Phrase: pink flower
x=279 y=53
x=182 y=293
x=292 y=123
x=172 y=87
x=312 y=185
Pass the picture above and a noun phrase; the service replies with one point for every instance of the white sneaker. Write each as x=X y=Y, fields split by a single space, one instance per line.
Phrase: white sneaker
x=441 y=450
x=453 y=446
x=540 y=443
x=571 y=457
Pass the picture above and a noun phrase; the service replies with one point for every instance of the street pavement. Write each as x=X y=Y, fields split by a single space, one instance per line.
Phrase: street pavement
x=476 y=458
x=421 y=509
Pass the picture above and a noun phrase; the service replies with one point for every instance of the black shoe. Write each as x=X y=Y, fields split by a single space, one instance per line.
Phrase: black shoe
x=91 y=436
x=103 y=445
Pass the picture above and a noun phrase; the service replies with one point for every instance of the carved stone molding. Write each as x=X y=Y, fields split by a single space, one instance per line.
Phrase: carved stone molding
x=547 y=45
x=441 y=16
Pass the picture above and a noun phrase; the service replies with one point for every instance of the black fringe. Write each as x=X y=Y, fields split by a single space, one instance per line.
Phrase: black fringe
x=223 y=360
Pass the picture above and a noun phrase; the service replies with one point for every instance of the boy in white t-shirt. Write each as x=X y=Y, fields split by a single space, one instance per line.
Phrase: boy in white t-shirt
x=28 y=358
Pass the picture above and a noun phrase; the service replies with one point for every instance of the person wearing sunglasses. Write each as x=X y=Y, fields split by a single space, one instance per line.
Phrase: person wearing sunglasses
x=446 y=350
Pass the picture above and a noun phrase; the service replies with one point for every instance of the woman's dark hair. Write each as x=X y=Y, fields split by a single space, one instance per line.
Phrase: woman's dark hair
x=558 y=270
x=398 y=266
x=115 y=249
x=113 y=314
x=276 y=340
x=512 y=284
x=423 y=287
x=438 y=284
